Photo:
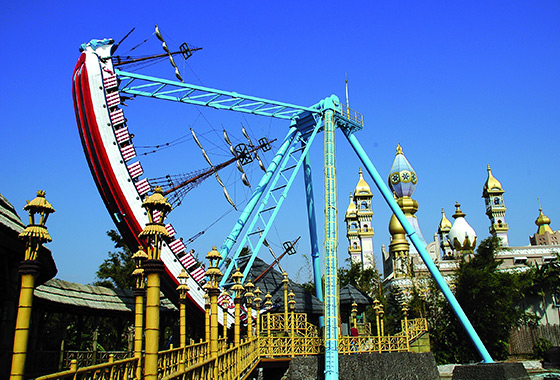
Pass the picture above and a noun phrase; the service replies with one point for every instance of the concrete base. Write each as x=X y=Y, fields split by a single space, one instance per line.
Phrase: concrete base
x=490 y=371
x=386 y=366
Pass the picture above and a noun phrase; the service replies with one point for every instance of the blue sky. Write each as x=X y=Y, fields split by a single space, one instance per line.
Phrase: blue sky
x=458 y=84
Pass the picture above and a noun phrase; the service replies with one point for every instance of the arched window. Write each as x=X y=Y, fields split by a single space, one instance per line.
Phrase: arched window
x=364 y=205
x=365 y=227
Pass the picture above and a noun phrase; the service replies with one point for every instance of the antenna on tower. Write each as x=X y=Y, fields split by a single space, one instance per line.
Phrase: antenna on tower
x=347 y=102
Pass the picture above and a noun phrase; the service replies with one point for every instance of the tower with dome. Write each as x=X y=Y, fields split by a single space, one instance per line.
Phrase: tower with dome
x=359 y=230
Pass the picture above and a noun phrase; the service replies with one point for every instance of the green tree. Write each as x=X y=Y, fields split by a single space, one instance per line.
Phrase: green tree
x=366 y=280
x=116 y=270
x=490 y=298
x=543 y=280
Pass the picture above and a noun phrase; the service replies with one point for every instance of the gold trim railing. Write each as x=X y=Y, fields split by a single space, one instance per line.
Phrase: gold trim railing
x=112 y=370
x=367 y=344
x=233 y=363
x=275 y=341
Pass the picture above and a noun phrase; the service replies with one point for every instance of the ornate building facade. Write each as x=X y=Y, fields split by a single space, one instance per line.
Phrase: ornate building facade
x=403 y=268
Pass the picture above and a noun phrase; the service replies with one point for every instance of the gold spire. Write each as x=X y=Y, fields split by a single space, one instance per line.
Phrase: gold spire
x=399 y=149
x=543 y=222
x=458 y=212
x=351 y=210
x=362 y=188
x=492 y=184
x=444 y=224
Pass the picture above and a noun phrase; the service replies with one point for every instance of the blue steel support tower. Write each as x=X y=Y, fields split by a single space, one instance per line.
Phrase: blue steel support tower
x=274 y=186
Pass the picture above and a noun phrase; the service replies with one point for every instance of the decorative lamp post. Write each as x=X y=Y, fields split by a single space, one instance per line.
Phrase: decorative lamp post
x=139 y=293
x=206 y=314
x=405 y=315
x=183 y=289
x=376 y=308
x=153 y=234
x=381 y=314
x=354 y=315
x=35 y=234
x=237 y=288
x=258 y=301
x=214 y=274
x=249 y=302
x=285 y=281
x=268 y=306
x=292 y=305
x=225 y=304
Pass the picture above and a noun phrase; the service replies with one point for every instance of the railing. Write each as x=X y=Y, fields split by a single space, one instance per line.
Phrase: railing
x=171 y=361
x=350 y=114
x=87 y=358
x=112 y=370
x=282 y=346
x=416 y=327
x=277 y=324
x=233 y=363
x=365 y=344
x=275 y=340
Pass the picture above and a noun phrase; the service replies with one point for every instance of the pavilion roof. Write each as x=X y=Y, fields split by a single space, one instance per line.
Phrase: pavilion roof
x=90 y=297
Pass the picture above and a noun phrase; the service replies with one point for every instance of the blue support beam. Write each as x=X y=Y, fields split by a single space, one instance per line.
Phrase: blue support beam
x=259 y=190
x=312 y=223
x=143 y=85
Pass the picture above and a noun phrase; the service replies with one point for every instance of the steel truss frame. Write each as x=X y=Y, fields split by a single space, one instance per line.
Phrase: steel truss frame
x=275 y=184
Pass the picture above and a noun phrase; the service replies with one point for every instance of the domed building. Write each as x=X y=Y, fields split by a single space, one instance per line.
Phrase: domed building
x=403 y=267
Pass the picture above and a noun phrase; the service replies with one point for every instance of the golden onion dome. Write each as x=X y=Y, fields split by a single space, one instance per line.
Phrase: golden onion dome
x=351 y=210
x=492 y=185
x=444 y=224
x=395 y=227
x=362 y=188
x=543 y=222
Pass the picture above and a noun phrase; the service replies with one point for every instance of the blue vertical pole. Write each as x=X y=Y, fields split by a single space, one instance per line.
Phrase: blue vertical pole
x=331 y=249
x=380 y=183
x=316 y=262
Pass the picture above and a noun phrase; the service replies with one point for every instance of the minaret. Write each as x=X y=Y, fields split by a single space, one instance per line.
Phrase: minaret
x=354 y=248
x=443 y=232
x=461 y=236
x=544 y=235
x=492 y=192
x=359 y=216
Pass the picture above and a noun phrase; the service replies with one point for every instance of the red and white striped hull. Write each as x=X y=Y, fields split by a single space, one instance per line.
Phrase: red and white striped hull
x=111 y=157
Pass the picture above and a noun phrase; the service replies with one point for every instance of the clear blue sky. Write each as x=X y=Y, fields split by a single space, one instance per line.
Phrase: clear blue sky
x=458 y=84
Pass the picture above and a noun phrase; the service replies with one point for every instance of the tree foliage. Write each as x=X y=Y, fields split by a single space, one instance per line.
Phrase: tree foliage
x=116 y=270
x=367 y=280
x=490 y=298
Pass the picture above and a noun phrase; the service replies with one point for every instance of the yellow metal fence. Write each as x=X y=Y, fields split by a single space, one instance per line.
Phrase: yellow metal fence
x=276 y=339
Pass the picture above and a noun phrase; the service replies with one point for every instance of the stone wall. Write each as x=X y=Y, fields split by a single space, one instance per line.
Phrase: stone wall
x=384 y=366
